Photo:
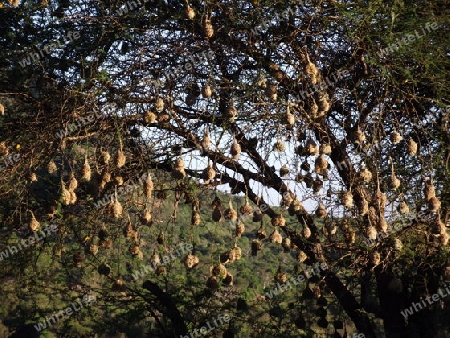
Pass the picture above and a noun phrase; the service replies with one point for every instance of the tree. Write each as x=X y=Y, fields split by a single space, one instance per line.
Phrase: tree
x=340 y=108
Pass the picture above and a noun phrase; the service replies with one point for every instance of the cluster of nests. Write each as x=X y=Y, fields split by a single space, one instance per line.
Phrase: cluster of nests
x=231 y=214
x=67 y=192
x=374 y=206
x=321 y=164
x=208 y=29
x=219 y=272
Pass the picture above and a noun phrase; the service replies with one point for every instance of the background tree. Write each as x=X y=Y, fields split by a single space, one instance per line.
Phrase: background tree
x=333 y=106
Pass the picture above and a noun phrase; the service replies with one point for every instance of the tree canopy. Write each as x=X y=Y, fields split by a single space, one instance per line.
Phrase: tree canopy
x=222 y=149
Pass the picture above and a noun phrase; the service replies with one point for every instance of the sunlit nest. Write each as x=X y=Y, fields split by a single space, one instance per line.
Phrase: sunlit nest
x=191 y=261
x=240 y=229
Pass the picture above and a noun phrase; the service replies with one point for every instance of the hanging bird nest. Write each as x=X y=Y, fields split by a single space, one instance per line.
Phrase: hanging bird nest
x=275 y=237
x=371 y=233
x=208 y=174
x=362 y=205
x=78 y=258
x=208 y=29
x=240 y=228
x=284 y=171
x=206 y=139
x=212 y=283
x=217 y=214
x=317 y=185
x=116 y=208
x=155 y=259
x=261 y=233
x=119 y=286
x=228 y=280
x=161 y=271
x=34 y=225
x=375 y=258
x=295 y=207
x=135 y=251
x=320 y=164
x=159 y=104
x=305 y=166
x=350 y=236
x=207 y=91
x=359 y=137
x=148 y=186
x=33 y=177
x=236 y=253
x=286 y=244
x=256 y=246
x=161 y=239
x=105 y=157
x=429 y=190
x=280 y=276
x=146 y=218
x=309 y=181
x=219 y=271
x=178 y=171
x=347 y=199
x=271 y=92
x=394 y=182
x=301 y=256
x=86 y=172
x=321 y=211
x=190 y=13
x=306 y=232
x=365 y=175
x=313 y=72
x=287 y=199
x=403 y=208
x=434 y=204
x=73 y=183
x=191 y=261
x=107 y=243
x=230 y=213
x=372 y=215
x=52 y=168
x=150 y=117
x=257 y=216
x=195 y=219
x=279 y=146
x=325 y=149
x=412 y=147
x=231 y=113
x=91 y=249
x=118 y=180
x=396 y=137
x=128 y=230
x=106 y=177
x=398 y=245
x=65 y=194
x=382 y=225
x=278 y=221
x=288 y=119
x=120 y=158
x=311 y=147
x=380 y=200
x=235 y=150
x=246 y=209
